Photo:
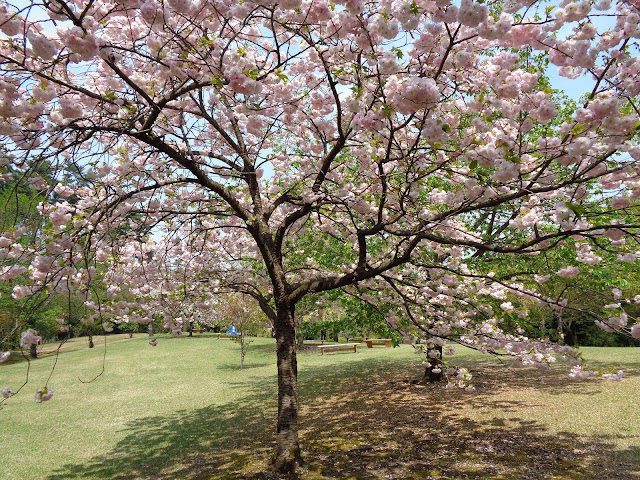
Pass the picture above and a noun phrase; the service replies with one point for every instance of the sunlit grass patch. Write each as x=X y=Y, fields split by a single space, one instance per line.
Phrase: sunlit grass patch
x=185 y=410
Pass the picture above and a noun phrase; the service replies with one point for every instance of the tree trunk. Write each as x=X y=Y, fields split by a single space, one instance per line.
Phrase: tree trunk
x=568 y=329
x=430 y=376
x=436 y=364
x=91 y=344
x=300 y=338
x=33 y=351
x=243 y=350
x=288 y=456
x=151 y=328
x=571 y=335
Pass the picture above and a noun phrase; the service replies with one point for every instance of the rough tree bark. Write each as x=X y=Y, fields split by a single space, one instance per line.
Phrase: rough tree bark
x=288 y=456
x=300 y=338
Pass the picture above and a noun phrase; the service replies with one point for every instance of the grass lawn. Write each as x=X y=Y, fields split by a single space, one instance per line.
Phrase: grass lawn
x=184 y=410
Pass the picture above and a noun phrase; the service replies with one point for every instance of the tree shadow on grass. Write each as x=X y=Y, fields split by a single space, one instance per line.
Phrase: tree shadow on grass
x=213 y=442
x=361 y=420
x=394 y=429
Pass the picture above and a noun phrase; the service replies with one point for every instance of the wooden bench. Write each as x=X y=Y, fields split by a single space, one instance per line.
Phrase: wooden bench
x=338 y=346
x=197 y=330
x=378 y=341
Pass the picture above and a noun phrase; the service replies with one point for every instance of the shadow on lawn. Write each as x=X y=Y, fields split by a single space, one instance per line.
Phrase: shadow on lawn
x=361 y=420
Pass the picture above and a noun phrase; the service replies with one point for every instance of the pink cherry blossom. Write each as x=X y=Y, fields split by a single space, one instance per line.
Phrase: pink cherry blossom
x=568 y=272
x=42 y=46
x=29 y=337
x=63 y=190
x=43 y=394
x=12 y=271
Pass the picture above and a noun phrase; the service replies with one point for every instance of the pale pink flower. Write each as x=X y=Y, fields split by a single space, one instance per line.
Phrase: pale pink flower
x=43 y=394
x=616 y=377
x=621 y=202
x=568 y=272
x=59 y=218
x=471 y=13
x=541 y=278
x=507 y=306
x=42 y=46
x=12 y=271
x=30 y=337
x=545 y=112
x=20 y=292
x=578 y=373
x=63 y=190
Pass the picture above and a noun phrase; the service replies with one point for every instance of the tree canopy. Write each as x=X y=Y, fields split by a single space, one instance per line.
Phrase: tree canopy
x=289 y=149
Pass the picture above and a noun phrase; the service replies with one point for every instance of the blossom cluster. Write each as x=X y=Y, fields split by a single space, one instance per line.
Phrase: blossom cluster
x=43 y=394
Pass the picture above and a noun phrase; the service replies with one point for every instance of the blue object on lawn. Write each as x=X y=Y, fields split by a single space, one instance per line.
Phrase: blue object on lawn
x=233 y=331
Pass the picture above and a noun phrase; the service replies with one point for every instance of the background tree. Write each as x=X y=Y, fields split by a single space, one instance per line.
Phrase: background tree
x=129 y=328
x=243 y=312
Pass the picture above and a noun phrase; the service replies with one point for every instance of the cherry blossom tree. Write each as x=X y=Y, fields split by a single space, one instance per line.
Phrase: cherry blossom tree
x=289 y=149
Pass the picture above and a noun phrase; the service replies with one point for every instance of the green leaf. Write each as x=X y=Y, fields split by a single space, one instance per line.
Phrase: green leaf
x=578 y=128
x=579 y=210
x=388 y=110
x=281 y=75
x=398 y=52
x=357 y=91
x=217 y=82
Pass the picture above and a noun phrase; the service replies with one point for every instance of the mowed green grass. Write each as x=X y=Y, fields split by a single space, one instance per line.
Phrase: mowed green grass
x=184 y=409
